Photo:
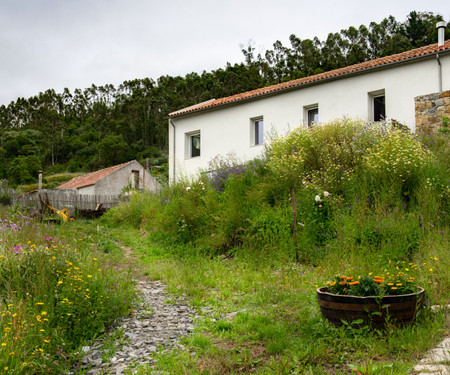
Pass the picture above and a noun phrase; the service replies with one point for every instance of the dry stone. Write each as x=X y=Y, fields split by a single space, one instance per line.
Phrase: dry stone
x=157 y=323
x=429 y=110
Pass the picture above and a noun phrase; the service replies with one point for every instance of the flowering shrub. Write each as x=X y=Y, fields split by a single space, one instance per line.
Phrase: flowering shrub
x=397 y=155
x=369 y=285
x=222 y=169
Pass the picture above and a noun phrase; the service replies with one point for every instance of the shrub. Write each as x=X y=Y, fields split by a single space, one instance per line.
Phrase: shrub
x=397 y=159
x=385 y=190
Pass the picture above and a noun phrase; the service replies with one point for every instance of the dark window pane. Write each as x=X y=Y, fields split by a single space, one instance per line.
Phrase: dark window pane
x=379 y=108
x=195 y=145
x=313 y=116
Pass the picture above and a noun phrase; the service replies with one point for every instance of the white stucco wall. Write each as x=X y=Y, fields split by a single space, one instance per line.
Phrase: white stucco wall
x=227 y=130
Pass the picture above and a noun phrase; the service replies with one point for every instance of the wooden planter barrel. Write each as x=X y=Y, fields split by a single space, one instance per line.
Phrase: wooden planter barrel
x=399 y=310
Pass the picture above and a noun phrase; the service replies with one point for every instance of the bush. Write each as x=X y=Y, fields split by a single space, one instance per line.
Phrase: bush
x=362 y=188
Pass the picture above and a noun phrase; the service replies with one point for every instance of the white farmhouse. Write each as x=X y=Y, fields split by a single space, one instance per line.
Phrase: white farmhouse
x=239 y=124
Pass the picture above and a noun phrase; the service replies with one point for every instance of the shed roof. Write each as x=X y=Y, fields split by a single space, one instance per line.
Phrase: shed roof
x=363 y=67
x=91 y=178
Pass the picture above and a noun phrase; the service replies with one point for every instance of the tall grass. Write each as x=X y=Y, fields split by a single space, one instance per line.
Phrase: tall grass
x=55 y=294
x=367 y=197
x=358 y=188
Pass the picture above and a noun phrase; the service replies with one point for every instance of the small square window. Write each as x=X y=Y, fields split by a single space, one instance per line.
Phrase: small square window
x=258 y=132
x=313 y=116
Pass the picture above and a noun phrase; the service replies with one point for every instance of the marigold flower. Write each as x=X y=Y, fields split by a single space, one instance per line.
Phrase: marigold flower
x=343 y=282
x=349 y=278
x=354 y=283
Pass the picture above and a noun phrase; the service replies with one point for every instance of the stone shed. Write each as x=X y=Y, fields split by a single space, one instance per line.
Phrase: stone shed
x=114 y=180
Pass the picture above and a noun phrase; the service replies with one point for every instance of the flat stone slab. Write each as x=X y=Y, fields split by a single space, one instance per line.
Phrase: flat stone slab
x=436 y=361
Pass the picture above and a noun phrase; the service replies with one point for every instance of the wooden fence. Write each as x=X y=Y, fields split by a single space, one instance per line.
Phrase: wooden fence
x=68 y=198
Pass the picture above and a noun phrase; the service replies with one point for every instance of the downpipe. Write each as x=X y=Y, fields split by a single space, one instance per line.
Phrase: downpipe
x=174 y=151
x=439 y=72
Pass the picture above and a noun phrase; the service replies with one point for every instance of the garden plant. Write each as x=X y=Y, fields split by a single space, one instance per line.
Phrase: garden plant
x=249 y=244
x=255 y=240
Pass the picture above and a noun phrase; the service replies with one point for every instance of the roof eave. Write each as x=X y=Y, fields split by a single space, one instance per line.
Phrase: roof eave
x=308 y=84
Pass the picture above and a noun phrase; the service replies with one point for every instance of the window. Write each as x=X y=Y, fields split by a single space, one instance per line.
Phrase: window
x=259 y=132
x=256 y=131
x=135 y=181
x=313 y=116
x=193 y=144
x=377 y=105
x=379 y=108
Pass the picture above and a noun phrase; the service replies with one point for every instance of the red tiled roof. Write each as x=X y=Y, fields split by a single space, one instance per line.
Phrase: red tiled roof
x=332 y=74
x=91 y=178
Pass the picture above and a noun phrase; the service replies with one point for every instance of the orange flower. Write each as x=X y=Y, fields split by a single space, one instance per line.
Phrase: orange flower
x=343 y=282
x=349 y=278
x=354 y=283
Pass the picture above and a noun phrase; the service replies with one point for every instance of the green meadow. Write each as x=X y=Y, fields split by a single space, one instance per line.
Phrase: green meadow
x=249 y=244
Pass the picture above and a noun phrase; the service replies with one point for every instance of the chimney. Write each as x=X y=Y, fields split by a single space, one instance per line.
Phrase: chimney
x=40 y=180
x=441 y=32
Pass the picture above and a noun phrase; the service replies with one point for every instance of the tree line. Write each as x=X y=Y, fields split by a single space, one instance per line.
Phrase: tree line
x=99 y=126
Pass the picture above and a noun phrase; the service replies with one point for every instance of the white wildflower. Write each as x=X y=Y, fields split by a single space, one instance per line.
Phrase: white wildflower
x=188 y=188
x=326 y=194
x=317 y=198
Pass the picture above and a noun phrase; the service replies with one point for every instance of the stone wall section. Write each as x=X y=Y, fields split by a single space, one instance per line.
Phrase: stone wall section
x=429 y=111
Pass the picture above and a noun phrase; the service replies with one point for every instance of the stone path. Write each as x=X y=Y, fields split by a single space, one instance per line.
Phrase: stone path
x=157 y=324
x=160 y=320
x=436 y=361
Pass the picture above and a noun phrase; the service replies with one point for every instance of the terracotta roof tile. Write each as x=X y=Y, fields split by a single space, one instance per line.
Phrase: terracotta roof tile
x=91 y=178
x=352 y=69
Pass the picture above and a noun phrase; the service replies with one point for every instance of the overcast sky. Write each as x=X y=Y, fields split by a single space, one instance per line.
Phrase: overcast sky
x=76 y=43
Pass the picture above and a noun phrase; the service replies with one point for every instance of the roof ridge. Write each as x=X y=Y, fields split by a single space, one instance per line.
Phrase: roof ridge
x=335 y=73
x=91 y=178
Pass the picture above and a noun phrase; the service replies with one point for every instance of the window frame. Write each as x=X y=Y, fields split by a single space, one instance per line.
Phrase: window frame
x=135 y=179
x=307 y=110
x=373 y=96
x=257 y=131
x=189 y=144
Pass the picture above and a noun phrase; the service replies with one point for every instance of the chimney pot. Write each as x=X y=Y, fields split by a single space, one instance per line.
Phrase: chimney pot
x=441 y=32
